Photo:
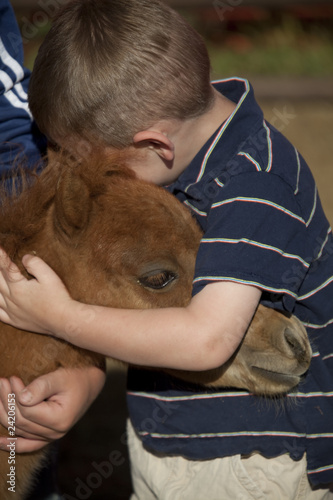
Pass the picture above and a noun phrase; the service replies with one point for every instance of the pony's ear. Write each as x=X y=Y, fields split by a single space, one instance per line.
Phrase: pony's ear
x=72 y=203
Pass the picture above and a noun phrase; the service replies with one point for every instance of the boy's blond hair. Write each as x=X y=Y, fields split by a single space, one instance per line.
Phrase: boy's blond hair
x=111 y=68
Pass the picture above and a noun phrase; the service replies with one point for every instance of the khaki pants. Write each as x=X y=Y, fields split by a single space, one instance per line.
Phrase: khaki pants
x=231 y=478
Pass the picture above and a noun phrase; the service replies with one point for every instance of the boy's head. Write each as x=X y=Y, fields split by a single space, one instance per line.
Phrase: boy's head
x=110 y=68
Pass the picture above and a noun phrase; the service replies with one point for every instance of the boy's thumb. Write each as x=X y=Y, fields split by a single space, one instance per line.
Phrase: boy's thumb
x=38 y=268
x=26 y=397
x=32 y=263
x=32 y=394
x=37 y=391
x=22 y=394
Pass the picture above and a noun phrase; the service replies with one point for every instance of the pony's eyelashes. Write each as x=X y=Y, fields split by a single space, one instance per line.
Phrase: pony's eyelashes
x=158 y=279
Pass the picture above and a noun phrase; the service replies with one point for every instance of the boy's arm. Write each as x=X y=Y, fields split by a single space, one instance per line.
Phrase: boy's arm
x=201 y=336
x=48 y=407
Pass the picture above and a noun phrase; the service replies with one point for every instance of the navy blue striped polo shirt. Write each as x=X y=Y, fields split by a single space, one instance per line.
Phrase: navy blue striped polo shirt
x=20 y=140
x=257 y=203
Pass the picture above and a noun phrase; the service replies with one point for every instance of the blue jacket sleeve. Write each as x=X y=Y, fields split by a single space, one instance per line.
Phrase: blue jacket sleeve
x=20 y=139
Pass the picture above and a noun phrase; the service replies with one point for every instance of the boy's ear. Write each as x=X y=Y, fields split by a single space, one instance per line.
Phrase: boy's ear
x=156 y=141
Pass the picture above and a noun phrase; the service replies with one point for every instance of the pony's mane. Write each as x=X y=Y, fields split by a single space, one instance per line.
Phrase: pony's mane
x=25 y=202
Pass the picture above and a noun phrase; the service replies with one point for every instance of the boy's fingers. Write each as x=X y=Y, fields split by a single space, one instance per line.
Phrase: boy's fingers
x=36 y=403
x=8 y=401
x=41 y=422
x=27 y=445
x=3 y=258
x=29 y=421
x=16 y=385
x=37 y=391
x=39 y=269
x=33 y=264
x=23 y=445
x=5 y=390
x=8 y=269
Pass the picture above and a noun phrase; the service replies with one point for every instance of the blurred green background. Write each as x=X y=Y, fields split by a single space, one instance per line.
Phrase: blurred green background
x=244 y=37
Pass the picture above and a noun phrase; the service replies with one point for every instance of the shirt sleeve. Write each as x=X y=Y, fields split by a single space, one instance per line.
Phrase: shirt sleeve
x=20 y=139
x=255 y=235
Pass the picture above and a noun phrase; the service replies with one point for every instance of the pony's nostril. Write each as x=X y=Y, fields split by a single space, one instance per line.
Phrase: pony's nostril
x=294 y=344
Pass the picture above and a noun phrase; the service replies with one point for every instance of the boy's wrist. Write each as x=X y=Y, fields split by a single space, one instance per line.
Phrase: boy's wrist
x=69 y=325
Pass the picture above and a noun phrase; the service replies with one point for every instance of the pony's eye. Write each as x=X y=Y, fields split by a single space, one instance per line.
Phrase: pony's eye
x=157 y=280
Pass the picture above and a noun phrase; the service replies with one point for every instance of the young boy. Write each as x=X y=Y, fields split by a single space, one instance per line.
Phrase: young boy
x=136 y=75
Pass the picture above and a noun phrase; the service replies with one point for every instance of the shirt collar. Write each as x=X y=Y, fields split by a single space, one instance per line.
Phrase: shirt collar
x=226 y=140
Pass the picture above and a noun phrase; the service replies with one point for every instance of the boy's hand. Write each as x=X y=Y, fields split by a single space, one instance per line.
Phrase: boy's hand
x=24 y=303
x=48 y=407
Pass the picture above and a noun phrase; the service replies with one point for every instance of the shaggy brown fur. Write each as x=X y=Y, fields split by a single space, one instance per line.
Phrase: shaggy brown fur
x=118 y=241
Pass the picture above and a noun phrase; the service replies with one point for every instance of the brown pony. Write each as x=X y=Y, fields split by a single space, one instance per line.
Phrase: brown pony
x=118 y=241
